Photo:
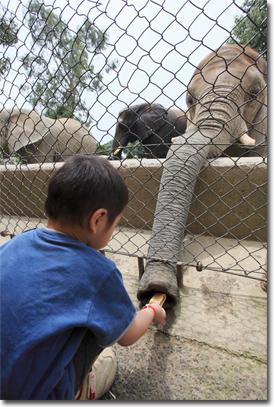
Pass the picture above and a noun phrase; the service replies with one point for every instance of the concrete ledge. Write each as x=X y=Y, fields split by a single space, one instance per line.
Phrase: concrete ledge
x=230 y=197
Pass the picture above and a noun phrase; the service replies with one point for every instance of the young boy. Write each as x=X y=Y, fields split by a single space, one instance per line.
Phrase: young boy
x=62 y=302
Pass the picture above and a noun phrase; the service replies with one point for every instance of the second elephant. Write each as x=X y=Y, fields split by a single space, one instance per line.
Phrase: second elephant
x=39 y=139
x=151 y=124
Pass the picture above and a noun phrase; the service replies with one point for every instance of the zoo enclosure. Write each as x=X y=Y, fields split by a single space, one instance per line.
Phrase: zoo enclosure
x=149 y=57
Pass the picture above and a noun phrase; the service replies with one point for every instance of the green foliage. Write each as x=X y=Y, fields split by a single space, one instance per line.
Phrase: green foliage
x=60 y=63
x=105 y=149
x=14 y=159
x=8 y=37
x=17 y=159
x=132 y=150
x=135 y=150
x=251 y=27
x=59 y=112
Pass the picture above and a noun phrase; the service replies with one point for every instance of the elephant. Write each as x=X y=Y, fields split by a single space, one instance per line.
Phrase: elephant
x=39 y=139
x=152 y=124
x=226 y=101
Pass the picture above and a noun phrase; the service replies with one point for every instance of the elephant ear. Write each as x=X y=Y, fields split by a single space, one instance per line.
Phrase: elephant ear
x=152 y=118
x=26 y=127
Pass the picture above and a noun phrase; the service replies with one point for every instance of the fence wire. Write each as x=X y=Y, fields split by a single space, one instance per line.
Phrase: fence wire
x=155 y=87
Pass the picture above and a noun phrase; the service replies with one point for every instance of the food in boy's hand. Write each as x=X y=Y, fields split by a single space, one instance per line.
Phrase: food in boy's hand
x=158 y=297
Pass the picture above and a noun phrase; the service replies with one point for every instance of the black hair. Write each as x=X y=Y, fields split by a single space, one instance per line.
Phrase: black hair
x=83 y=185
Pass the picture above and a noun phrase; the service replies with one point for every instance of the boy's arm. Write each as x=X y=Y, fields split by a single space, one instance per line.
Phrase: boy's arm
x=141 y=323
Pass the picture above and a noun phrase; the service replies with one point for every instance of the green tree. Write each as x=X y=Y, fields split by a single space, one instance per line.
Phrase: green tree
x=135 y=150
x=132 y=150
x=251 y=27
x=60 y=63
x=104 y=149
x=8 y=37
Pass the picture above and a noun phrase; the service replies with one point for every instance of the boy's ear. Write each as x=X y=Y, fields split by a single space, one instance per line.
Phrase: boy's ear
x=95 y=220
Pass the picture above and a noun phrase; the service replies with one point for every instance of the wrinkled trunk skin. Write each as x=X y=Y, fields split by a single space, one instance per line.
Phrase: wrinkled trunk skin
x=180 y=173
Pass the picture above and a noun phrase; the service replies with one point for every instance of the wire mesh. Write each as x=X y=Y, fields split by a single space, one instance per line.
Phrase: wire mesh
x=122 y=79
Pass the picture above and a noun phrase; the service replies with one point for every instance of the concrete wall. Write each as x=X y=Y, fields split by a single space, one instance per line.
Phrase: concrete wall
x=230 y=197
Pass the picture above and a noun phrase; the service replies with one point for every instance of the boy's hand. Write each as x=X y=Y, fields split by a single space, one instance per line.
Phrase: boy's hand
x=160 y=313
x=141 y=323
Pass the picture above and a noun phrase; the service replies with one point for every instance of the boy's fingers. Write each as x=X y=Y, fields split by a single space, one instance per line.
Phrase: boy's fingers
x=161 y=315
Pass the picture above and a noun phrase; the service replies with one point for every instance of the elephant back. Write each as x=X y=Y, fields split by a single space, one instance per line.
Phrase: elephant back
x=24 y=127
x=75 y=136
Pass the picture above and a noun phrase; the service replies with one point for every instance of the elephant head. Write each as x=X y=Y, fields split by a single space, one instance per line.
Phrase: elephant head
x=36 y=139
x=152 y=124
x=226 y=101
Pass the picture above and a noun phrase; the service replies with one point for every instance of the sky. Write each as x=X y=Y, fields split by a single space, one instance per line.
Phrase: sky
x=158 y=44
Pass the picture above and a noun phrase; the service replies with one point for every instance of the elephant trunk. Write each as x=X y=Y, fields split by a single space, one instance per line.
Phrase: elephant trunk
x=181 y=168
x=117 y=147
x=118 y=153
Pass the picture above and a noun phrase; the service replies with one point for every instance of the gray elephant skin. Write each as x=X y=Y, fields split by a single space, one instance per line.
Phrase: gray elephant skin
x=152 y=124
x=40 y=139
x=226 y=99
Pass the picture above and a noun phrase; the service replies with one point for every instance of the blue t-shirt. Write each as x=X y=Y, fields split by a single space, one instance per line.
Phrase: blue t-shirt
x=54 y=288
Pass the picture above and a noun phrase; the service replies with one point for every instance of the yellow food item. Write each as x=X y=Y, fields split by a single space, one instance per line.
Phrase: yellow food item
x=158 y=297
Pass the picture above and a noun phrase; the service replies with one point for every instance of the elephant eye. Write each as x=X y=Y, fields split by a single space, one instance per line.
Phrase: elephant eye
x=189 y=100
x=255 y=90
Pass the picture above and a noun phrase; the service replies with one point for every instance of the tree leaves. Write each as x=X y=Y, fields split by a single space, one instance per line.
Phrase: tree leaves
x=60 y=64
x=251 y=27
x=8 y=37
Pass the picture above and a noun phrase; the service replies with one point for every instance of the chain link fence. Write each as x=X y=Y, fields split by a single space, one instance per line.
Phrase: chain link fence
x=138 y=82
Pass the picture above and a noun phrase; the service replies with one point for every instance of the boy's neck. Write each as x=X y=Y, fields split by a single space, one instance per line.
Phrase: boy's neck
x=62 y=226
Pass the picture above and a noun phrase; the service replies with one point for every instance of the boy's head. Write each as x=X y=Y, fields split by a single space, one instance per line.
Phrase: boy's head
x=83 y=185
